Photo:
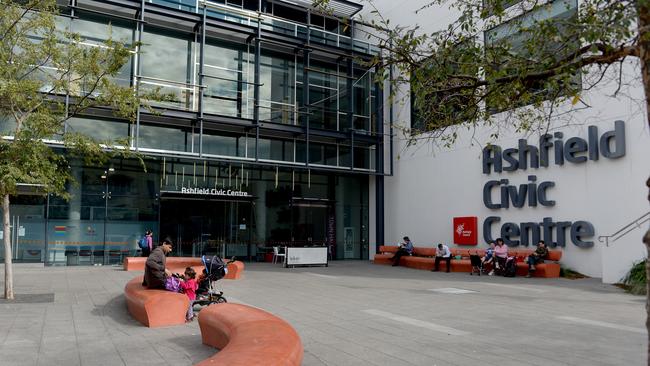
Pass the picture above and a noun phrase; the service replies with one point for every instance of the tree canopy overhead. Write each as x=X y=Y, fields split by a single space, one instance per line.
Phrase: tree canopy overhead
x=501 y=54
x=48 y=75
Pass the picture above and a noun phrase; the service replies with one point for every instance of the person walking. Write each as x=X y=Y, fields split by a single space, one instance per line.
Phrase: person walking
x=148 y=247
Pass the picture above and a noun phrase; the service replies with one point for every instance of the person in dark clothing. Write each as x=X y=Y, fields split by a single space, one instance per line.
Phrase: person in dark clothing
x=155 y=272
x=537 y=256
x=405 y=248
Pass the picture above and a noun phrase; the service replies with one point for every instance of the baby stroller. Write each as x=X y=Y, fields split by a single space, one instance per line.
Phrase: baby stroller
x=477 y=264
x=215 y=269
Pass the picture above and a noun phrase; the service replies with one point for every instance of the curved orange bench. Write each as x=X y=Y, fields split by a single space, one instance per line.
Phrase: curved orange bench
x=424 y=258
x=137 y=263
x=248 y=336
x=385 y=254
x=155 y=308
x=235 y=270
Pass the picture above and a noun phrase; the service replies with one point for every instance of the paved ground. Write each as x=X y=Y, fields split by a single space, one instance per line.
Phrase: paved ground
x=351 y=313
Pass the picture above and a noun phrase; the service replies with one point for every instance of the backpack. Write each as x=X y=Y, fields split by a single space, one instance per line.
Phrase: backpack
x=142 y=243
x=511 y=267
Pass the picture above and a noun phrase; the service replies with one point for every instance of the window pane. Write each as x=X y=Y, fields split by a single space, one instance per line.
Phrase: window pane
x=224 y=145
x=166 y=66
x=100 y=130
x=165 y=138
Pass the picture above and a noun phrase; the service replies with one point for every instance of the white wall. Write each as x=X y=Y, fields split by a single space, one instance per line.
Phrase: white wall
x=431 y=185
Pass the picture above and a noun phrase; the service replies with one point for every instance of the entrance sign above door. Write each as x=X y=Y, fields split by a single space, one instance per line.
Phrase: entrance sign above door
x=214 y=192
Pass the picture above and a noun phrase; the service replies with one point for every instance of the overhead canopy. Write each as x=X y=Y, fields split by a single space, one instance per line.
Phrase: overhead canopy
x=339 y=8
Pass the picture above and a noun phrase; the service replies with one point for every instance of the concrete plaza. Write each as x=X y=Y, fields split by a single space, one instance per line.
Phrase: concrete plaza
x=350 y=313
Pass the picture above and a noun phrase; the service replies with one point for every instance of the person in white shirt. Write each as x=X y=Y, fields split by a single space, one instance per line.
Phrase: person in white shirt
x=443 y=252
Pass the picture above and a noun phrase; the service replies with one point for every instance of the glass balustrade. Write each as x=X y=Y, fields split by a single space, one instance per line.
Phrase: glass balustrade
x=269 y=23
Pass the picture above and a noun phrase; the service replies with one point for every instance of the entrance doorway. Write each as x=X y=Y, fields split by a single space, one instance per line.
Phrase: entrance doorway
x=200 y=226
x=313 y=223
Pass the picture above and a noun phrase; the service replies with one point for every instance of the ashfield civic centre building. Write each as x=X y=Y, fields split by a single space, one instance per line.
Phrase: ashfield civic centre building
x=278 y=134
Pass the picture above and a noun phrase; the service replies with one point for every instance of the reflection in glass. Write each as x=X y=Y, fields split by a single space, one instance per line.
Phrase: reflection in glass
x=165 y=138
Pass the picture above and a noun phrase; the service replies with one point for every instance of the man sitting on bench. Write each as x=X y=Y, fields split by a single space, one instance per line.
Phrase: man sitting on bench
x=405 y=248
x=443 y=252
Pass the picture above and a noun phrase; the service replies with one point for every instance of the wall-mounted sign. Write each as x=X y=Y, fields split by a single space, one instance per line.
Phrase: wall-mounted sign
x=466 y=230
x=502 y=194
x=214 y=192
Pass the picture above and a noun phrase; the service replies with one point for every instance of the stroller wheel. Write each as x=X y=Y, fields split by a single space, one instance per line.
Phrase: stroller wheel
x=221 y=300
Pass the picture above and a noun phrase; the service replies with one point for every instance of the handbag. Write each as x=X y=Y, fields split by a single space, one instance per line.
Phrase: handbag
x=172 y=284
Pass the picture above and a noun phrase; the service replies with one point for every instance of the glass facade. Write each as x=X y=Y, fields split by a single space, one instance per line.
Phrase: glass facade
x=281 y=207
x=298 y=134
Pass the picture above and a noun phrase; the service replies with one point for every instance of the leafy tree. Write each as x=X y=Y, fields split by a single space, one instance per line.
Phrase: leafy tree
x=42 y=65
x=508 y=63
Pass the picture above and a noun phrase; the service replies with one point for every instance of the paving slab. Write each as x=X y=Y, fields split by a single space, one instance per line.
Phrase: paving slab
x=350 y=313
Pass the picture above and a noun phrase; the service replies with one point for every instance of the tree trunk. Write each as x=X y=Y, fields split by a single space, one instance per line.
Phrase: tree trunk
x=9 y=273
x=643 y=9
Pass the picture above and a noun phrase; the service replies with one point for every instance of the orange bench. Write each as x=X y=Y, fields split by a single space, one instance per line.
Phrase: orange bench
x=155 y=308
x=247 y=336
x=137 y=263
x=424 y=258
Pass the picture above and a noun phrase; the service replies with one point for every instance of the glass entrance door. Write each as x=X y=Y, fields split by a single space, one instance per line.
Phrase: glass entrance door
x=310 y=222
x=27 y=223
x=211 y=227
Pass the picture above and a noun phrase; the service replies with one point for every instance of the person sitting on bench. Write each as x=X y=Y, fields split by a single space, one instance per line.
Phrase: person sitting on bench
x=405 y=248
x=501 y=255
x=443 y=252
x=537 y=256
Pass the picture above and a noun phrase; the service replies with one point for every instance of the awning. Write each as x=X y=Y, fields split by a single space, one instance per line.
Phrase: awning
x=339 y=8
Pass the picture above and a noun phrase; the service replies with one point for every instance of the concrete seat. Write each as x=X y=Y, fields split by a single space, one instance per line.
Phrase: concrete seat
x=247 y=336
x=155 y=308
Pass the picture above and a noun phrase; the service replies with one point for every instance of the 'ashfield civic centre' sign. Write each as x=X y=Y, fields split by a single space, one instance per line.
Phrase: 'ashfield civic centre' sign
x=214 y=192
x=501 y=194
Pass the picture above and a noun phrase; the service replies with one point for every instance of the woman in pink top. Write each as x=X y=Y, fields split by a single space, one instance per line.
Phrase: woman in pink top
x=189 y=286
x=501 y=254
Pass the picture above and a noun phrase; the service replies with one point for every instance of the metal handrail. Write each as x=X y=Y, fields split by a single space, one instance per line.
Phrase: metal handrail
x=625 y=229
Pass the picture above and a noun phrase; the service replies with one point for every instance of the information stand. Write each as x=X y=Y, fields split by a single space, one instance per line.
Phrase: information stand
x=314 y=256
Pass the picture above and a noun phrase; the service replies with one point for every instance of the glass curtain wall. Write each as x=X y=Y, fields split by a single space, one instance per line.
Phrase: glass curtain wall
x=228 y=76
x=98 y=228
x=278 y=90
x=166 y=65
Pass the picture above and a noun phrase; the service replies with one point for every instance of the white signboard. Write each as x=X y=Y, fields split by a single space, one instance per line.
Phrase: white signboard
x=21 y=231
x=306 y=256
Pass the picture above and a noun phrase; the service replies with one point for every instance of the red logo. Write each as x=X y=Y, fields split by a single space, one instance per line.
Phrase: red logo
x=465 y=230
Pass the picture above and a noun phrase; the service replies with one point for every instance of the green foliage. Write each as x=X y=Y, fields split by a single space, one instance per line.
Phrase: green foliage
x=635 y=280
x=43 y=64
x=502 y=54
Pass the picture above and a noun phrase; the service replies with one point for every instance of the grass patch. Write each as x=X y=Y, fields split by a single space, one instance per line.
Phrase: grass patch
x=635 y=281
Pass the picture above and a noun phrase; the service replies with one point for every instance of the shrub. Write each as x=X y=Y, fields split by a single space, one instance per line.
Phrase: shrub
x=635 y=281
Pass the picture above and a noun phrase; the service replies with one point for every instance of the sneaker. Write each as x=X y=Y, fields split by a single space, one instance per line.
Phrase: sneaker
x=528 y=276
x=491 y=273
